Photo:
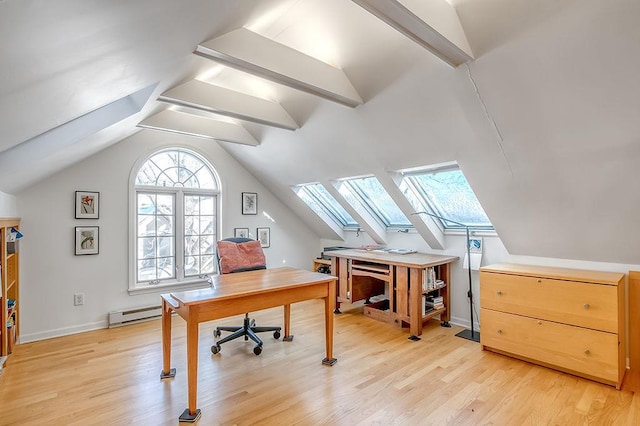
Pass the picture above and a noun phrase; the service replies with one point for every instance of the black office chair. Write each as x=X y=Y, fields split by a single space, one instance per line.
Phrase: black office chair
x=249 y=328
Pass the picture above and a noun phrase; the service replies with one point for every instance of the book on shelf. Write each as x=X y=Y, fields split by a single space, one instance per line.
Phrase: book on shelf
x=433 y=302
x=430 y=280
x=426 y=308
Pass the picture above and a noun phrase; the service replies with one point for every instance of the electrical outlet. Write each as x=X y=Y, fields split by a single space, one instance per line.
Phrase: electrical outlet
x=78 y=299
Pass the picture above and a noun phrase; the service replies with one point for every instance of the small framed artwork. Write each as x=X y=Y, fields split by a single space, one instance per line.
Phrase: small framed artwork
x=87 y=240
x=87 y=205
x=249 y=203
x=264 y=236
x=241 y=232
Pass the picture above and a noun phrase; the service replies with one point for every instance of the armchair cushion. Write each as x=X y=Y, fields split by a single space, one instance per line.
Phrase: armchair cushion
x=238 y=257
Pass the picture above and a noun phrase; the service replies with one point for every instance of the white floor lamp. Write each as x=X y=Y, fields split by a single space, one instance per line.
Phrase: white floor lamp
x=466 y=334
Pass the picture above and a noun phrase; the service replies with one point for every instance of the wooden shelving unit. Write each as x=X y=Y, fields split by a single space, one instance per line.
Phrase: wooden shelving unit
x=319 y=262
x=400 y=278
x=10 y=286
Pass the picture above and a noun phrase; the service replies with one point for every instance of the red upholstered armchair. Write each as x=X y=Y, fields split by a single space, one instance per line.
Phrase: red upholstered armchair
x=236 y=255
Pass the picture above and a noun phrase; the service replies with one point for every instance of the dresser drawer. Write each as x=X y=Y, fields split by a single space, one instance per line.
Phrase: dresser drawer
x=586 y=352
x=577 y=303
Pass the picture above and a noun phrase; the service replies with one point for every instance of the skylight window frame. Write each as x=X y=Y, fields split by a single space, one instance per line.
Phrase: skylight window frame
x=410 y=178
x=328 y=208
x=373 y=208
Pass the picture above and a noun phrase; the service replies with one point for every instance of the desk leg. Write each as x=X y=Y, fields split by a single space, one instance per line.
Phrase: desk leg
x=192 y=414
x=415 y=300
x=167 y=371
x=329 y=306
x=287 y=324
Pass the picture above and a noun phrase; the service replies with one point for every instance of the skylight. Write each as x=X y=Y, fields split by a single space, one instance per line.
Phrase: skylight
x=371 y=193
x=322 y=202
x=445 y=193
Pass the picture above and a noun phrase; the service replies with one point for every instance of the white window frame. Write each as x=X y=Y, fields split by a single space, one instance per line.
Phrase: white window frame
x=448 y=227
x=324 y=207
x=179 y=282
x=376 y=211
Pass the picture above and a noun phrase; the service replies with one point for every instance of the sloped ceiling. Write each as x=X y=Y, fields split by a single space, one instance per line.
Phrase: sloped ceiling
x=543 y=122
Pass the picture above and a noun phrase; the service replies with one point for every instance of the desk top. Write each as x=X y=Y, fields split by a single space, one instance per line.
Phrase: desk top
x=411 y=260
x=240 y=284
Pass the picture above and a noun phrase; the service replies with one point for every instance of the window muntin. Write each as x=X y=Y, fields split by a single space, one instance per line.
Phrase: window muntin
x=199 y=235
x=155 y=240
x=176 y=168
x=445 y=193
x=175 y=218
x=373 y=195
x=321 y=202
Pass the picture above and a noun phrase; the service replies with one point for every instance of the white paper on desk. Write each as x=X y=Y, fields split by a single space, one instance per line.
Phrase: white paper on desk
x=476 y=258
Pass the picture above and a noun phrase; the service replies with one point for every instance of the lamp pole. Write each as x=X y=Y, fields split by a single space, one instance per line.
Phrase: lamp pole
x=466 y=334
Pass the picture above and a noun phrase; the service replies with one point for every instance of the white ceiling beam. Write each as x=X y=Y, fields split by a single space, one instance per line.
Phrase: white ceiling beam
x=433 y=24
x=201 y=127
x=252 y=53
x=219 y=100
x=63 y=137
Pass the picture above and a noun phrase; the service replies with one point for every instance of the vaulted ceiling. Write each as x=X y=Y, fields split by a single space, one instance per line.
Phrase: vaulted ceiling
x=536 y=101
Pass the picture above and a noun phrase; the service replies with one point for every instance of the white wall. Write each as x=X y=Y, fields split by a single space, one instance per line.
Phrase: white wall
x=8 y=205
x=51 y=273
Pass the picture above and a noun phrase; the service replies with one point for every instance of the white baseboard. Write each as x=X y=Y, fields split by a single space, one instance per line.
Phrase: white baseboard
x=59 y=332
x=49 y=334
x=464 y=322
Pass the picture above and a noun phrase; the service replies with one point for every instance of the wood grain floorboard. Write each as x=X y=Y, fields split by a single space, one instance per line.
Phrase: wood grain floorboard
x=111 y=377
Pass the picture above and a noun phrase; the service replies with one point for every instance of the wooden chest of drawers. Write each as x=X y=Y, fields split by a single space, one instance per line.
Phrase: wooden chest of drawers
x=568 y=319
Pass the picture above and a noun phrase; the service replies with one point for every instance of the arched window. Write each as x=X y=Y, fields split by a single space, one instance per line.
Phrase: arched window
x=176 y=220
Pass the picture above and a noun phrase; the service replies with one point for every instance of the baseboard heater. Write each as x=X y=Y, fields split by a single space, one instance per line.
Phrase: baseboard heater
x=134 y=315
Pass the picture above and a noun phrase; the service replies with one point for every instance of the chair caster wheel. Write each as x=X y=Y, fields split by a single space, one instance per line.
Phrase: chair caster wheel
x=257 y=350
x=215 y=349
x=217 y=333
x=276 y=334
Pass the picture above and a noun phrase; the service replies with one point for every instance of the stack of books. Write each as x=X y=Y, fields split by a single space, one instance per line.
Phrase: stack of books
x=428 y=279
x=434 y=302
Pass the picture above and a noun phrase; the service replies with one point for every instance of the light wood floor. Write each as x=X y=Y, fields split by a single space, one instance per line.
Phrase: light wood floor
x=111 y=377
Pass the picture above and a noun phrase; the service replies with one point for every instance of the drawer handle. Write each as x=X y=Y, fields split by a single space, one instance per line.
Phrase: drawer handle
x=499 y=331
x=539 y=322
x=499 y=293
x=587 y=351
x=538 y=281
x=586 y=306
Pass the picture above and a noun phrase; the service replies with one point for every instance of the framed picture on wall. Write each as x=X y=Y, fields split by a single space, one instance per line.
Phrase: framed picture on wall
x=249 y=203
x=264 y=236
x=241 y=232
x=87 y=240
x=87 y=205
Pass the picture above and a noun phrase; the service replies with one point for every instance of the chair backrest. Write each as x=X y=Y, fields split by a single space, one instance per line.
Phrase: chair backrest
x=239 y=255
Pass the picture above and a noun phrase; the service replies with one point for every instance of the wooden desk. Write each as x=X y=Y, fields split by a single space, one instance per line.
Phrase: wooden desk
x=363 y=274
x=234 y=294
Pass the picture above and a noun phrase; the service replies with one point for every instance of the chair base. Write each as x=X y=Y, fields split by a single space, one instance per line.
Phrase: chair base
x=248 y=330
